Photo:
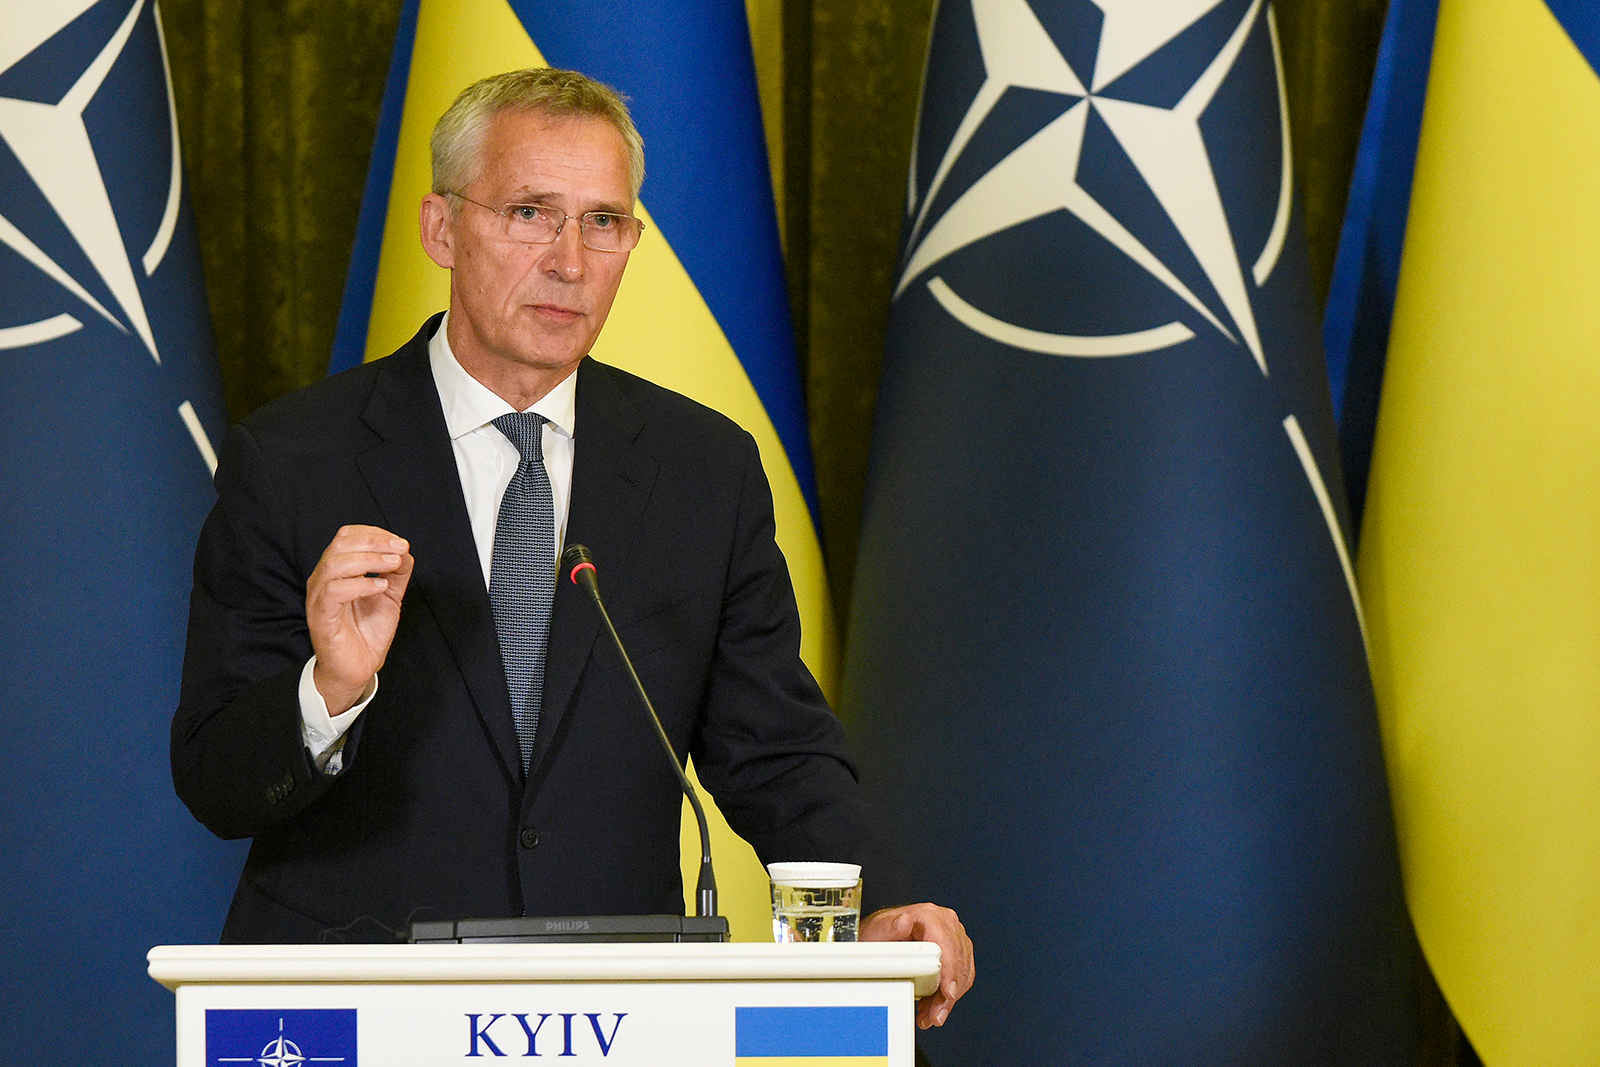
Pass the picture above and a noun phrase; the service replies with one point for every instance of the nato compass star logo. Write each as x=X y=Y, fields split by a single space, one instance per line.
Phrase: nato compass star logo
x=280 y=1052
x=1141 y=44
x=234 y=1034
x=77 y=214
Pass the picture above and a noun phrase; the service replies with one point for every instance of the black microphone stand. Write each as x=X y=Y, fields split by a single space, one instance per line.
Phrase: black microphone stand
x=579 y=565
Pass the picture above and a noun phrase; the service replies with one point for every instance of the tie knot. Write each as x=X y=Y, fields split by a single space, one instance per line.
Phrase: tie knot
x=524 y=429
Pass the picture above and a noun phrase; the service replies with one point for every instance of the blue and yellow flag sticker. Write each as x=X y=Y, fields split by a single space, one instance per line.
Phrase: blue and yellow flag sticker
x=852 y=1036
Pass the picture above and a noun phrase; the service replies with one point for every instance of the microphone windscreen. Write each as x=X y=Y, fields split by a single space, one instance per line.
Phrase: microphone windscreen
x=575 y=560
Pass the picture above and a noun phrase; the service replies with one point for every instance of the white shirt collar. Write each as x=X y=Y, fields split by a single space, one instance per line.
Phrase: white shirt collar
x=470 y=405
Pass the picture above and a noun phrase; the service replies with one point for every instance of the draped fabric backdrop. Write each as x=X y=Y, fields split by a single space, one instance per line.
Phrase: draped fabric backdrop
x=278 y=101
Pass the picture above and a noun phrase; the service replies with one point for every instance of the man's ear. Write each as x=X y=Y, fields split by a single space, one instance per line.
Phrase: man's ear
x=436 y=221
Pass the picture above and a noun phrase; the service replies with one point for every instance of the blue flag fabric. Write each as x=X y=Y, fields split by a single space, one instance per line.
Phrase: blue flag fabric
x=1360 y=306
x=1582 y=25
x=1104 y=656
x=110 y=397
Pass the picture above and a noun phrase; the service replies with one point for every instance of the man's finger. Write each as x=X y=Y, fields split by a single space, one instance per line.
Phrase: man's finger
x=335 y=593
x=347 y=564
x=356 y=536
x=364 y=539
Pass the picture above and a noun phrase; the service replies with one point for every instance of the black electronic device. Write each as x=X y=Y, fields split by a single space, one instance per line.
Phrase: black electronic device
x=589 y=929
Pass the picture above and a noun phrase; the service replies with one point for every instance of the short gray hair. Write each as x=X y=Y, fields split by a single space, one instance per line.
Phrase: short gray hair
x=457 y=138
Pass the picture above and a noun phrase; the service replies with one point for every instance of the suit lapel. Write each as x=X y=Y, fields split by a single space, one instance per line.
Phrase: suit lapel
x=611 y=481
x=412 y=475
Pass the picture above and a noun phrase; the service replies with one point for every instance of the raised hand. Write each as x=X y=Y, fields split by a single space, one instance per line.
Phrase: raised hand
x=352 y=608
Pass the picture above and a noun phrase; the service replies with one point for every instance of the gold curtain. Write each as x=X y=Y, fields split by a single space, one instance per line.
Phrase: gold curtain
x=277 y=106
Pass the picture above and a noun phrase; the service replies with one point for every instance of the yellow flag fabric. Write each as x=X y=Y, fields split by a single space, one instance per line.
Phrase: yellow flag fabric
x=660 y=328
x=1480 y=552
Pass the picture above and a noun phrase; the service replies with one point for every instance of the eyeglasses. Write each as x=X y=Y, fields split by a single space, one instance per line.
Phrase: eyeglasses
x=541 y=224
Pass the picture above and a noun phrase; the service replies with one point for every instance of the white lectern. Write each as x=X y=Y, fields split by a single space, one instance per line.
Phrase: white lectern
x=665 y=1005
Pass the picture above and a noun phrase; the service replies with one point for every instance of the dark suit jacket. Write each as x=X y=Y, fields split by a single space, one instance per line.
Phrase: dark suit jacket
x=432 y=817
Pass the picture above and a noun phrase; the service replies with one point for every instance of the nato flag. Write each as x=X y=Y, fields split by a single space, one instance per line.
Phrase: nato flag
x=110 y=394
x=1105 y=657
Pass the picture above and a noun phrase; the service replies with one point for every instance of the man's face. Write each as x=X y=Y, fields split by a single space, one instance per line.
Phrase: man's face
x=513 y=305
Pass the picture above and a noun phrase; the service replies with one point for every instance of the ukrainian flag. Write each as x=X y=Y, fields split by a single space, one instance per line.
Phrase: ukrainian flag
x=1480 y=556
x=703 y=308
x=855 y=1036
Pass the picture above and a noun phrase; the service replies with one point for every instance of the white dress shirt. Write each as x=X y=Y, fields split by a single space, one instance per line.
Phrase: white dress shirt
x=485 y=460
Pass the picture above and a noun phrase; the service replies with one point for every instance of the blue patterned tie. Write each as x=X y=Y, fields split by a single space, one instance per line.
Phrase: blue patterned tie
x=522 y=574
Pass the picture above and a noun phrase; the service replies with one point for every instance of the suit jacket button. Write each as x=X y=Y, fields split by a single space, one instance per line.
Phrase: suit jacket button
x=530 y=837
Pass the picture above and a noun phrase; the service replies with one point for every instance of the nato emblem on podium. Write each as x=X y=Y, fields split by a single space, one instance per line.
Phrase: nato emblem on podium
x=265 y=1038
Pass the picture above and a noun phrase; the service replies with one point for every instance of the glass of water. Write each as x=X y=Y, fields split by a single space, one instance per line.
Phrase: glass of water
x=815 y=901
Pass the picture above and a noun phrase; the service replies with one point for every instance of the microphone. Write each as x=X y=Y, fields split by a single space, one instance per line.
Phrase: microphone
x=579 y=566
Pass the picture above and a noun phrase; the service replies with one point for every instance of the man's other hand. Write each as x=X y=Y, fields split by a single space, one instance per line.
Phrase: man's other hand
x=929 y=922
x=352 y=607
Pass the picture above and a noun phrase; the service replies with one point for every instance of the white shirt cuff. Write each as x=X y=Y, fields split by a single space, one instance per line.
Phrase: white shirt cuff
x=323 y=733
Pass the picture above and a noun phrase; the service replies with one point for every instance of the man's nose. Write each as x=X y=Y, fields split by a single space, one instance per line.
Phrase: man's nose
x=566 y=253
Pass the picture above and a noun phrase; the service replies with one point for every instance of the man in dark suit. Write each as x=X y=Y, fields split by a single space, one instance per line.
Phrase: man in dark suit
x=478 y=752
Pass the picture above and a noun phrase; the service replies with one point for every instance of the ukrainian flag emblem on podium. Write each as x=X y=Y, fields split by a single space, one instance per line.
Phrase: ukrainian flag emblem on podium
x=835 y=1036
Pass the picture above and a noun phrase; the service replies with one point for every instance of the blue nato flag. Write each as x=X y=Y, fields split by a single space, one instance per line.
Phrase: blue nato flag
x=111 y=400
x=1105 y=657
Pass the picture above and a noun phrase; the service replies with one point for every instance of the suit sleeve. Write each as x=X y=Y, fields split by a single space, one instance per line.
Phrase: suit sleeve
x=769 y=748
x=238 y=757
